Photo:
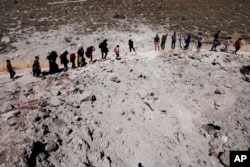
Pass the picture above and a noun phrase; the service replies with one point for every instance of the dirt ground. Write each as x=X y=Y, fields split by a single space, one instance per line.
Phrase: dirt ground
x=207 y=16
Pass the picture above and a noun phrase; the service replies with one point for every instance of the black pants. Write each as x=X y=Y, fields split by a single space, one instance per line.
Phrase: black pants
x=162 y=45
x=36 y=72
x=104 y=54
x=12 y=73
x=131 y=47
x=53 y=68
x=215 y=44
x=186 y=45
x=173 y=44
x=117 y=55
x=199 y=45
x=237 y=48
x=73 y=64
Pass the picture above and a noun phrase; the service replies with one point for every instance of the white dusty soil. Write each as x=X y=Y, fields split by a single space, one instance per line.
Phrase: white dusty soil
x=149 y=110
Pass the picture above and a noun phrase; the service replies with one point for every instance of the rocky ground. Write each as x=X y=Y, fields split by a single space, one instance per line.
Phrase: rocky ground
x=151 y=108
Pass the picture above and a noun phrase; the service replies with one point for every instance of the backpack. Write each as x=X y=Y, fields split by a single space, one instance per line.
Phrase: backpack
x=88 y=51
x=72 y=56
x=52 y=56
x=157 y=39
x=100 y=45
x=186 y=37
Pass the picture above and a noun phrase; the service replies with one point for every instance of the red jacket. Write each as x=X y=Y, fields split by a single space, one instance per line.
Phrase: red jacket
x=237 y=43
x=9 y=67
x=72 y=57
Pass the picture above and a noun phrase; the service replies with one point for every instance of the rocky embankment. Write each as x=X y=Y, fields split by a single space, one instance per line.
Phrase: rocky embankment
x=149 y=109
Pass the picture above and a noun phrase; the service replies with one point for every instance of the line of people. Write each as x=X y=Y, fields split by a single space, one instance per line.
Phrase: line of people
x=81 y=61
x=199 y=40
x=80 y=58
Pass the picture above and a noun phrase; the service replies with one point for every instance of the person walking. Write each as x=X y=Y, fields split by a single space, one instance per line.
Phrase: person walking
x=104 y=48
x=227 y=44
x=163 y=41
x=157 y=42
x=237 y=45
x=131 y=45
x=36 y=68
x=216 y=41
x=117 y=52
x=10 y=69
x=53 y=67
x=173 y=40
x=89 y=53
x=72 y=58
x=64 y=60
x=80 y=57
x=187 y=39
x=199 y=41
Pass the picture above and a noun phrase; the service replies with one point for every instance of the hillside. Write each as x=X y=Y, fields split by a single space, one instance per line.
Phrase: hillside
x=150 y=109
x=174 y=107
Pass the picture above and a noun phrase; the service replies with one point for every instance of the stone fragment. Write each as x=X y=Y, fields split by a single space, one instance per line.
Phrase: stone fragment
x=217 y=91
x=51 y=146
x=59 y=122
x=11 y=121
x=211 y=128
x=225 y=158
x=55 y=102
x=215 y=142
x=17 y=113
x=6 y=107
x=115 y=79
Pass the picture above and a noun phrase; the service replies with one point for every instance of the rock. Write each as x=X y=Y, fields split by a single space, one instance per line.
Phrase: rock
x=213 y=152
x=45 y=129
x=216 y=105
x=217 y=91
x=43 y=103
x=37 y=118
x=210 y=128
x=6 y=107
x=17 y=113
x=195 y=56
x=215 y=142
x=246 y=78
x=68 y=39
x=115 y=79
x=55 y=102
x=119 y=16
x=245 y=70
x=91 y=98
x=59 y=122
x=51 y=146
x=228 y=85
x=11 y=121
x=225 y=158
x=41 y=157
x=68 y=132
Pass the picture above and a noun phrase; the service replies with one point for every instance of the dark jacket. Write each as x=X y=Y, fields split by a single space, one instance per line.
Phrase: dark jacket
x=104 y=46
x=80 y=52
x=64 y=59
x=36 y=65
x=130 y=43
x=174 y=37
x=52 y=56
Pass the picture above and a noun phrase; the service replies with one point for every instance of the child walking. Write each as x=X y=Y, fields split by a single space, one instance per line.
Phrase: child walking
x=199 y=41
x=117 y=52
x=237 y=45
x=10 y=69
